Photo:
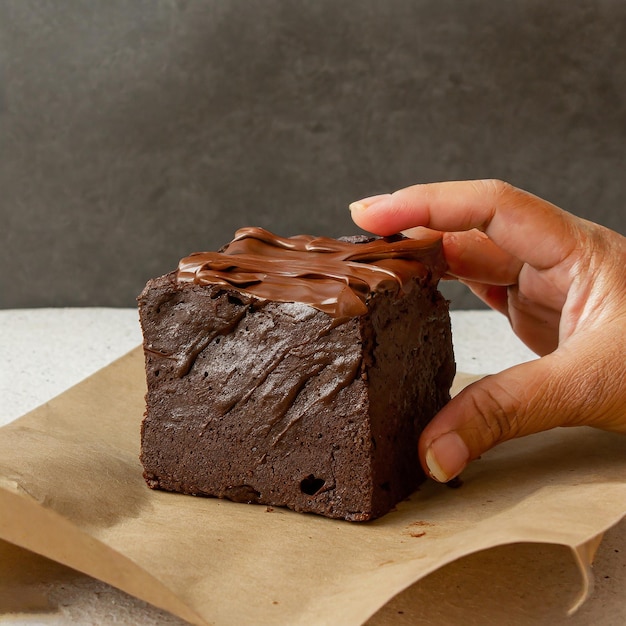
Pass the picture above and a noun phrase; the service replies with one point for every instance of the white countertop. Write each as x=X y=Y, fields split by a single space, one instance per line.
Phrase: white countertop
x=45 y=351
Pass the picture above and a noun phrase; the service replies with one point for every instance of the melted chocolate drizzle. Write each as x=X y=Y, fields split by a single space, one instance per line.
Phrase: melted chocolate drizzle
x=331 y=275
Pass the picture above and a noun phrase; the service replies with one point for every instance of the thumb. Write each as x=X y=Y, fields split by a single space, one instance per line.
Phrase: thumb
x=528 y=398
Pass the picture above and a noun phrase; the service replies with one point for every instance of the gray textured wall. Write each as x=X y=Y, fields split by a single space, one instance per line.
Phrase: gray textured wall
x=133 y=132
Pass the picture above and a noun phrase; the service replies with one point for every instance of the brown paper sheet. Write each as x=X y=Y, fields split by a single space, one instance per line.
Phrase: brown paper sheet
x=71 y=489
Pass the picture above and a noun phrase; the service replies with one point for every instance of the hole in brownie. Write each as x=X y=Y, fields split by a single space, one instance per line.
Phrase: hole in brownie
x=234 y=300
x=311 y=485
x=156 y=372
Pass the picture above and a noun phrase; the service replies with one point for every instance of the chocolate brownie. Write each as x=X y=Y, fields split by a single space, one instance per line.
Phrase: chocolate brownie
x=296 y=372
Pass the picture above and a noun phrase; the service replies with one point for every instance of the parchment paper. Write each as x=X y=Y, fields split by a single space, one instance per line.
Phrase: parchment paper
x=71 y=489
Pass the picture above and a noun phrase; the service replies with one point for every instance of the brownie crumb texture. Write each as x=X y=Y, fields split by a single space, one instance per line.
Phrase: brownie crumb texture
x=284 y=405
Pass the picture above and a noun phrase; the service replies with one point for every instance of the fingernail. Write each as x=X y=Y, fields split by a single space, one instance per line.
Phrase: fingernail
x=366 y=203
x=446 y=457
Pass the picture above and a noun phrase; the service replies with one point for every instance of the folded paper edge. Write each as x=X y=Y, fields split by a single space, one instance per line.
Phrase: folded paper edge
x=22 y=522
x=583 y=555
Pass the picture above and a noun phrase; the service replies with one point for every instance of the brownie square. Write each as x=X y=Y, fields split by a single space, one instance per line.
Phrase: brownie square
x=308 y=405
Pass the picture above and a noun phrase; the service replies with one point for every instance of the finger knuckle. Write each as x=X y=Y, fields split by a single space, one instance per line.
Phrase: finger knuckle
x=495 y=186
x=496 y=412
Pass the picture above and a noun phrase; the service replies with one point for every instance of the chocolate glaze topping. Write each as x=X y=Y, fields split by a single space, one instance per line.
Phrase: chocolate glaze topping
x=331 y=275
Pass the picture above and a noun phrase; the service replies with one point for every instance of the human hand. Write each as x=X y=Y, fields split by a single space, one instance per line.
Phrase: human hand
x=560 y=280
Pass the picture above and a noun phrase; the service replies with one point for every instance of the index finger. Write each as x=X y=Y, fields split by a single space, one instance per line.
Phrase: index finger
x=527 y=227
